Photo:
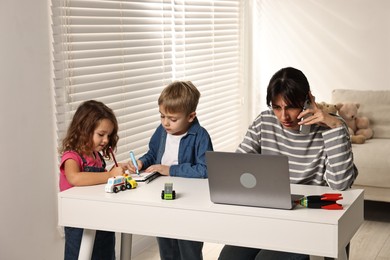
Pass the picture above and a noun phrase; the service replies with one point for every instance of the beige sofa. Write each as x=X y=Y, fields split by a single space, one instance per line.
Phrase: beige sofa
x=373 y=157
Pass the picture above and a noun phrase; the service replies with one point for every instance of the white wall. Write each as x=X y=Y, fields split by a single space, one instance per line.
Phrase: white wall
x=338 y=44
x=28 y=214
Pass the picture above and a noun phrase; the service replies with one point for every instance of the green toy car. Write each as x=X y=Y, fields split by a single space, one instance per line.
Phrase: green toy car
x=168 y=193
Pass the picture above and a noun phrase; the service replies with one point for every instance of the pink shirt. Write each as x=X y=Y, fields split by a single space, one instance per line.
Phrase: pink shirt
x=91 y=161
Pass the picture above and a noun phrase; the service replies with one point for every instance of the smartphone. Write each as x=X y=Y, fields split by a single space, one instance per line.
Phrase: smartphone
x=305 y=129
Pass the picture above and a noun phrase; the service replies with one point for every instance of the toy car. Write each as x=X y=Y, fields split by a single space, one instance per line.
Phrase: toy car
x=120 y=183
x=168 y=193
x=115 y=184
x=130 y=183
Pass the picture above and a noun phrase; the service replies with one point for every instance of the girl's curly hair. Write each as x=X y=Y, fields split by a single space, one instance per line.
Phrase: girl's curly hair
x=79 y=136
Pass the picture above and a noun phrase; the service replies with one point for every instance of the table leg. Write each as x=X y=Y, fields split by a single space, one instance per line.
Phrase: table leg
x=126 y=242
x=343 y=256
x=87 y=242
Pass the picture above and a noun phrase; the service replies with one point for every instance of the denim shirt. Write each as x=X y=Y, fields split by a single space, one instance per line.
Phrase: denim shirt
x=192 y=151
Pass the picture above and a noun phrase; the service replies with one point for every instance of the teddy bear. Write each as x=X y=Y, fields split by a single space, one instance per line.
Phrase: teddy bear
x=359 y=126
x=329 y=108
x=332 y=109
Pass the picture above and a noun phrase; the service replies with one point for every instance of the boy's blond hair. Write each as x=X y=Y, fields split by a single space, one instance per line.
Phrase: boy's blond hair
x=179 y=96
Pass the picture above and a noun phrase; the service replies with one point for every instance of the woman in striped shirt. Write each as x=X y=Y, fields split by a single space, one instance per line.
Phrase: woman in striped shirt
x=323 y=156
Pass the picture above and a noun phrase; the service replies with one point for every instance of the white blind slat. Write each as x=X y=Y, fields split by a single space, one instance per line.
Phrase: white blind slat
x=124 y=53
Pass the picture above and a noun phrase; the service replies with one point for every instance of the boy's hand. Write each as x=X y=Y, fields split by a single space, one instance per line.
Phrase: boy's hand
x=132 y=168
x=162 y=169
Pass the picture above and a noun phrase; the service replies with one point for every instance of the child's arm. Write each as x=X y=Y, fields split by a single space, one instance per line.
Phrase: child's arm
x=162 y=169
x=190 y=170
x=77 y=178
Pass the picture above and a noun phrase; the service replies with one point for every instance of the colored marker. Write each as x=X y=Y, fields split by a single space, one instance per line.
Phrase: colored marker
x=113 y=156
x=324 y=201
x=134 y=161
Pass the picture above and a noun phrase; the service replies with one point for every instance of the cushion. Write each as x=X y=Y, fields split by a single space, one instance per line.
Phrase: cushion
x=374 y=104
x=373 y=161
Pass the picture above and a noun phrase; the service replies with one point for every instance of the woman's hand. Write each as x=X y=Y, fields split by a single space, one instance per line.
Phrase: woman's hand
x=318 y=116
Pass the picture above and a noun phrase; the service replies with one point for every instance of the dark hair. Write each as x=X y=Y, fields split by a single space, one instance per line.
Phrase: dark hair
x=291 y=84
x=79 y=136
x=179 y=96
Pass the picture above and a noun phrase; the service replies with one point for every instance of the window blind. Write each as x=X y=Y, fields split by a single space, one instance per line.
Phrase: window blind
x=123 y=53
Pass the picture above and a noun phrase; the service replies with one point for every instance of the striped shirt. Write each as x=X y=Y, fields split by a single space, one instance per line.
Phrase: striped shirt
x=323 y=157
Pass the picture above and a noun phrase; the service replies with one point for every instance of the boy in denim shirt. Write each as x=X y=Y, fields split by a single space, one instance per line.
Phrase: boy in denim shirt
x=177 y=148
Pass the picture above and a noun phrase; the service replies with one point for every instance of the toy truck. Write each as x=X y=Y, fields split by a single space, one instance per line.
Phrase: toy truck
x=120 y=183
x=168 y=193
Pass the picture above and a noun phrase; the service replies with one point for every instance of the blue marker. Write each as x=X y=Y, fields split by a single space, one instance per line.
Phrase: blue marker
x=134 y=161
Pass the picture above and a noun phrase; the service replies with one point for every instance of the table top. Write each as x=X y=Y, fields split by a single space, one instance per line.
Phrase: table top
x=193 y=194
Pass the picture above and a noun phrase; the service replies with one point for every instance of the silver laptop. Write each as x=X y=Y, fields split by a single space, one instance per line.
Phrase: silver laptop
x=250 y=180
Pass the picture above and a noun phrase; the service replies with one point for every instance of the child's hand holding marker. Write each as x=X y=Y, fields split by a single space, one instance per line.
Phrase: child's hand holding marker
x=135 y=163
x=119 y=168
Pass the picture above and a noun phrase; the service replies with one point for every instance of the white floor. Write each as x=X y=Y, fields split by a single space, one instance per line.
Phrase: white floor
x=210 y=252
x=372 y=240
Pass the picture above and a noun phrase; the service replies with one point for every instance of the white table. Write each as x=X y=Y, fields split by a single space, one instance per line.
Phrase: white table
x=193 y=216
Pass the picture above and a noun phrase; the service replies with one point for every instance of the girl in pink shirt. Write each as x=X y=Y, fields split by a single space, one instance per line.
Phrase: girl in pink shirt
x=93 y=130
